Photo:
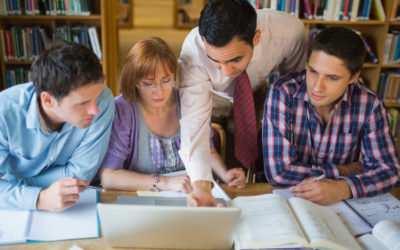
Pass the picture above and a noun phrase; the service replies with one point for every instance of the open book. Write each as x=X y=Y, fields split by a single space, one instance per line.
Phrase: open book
x=385 y=235
x=79 y=221
x=361 y=215
x=270 y=221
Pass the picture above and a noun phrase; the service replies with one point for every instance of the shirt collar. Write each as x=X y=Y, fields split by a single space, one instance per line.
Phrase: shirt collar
x=32 y=114
x=43 y=124
x=35 y=120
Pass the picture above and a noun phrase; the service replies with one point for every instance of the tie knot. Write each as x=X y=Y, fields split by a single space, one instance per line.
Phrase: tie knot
x=242 y=76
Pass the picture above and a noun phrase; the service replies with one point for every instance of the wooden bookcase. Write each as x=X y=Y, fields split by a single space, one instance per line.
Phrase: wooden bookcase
x=104 y=17
x=187 y=13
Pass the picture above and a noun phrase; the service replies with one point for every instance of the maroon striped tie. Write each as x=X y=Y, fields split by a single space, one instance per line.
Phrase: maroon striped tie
x=245 y=121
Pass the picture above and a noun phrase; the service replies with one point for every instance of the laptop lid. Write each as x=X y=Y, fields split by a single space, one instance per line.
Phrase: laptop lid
x=149 y=226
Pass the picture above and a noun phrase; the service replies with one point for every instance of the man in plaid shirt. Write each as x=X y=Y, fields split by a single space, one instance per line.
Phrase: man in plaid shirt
x=317 y=121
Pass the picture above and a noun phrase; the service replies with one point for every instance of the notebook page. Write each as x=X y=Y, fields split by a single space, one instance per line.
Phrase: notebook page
x=13 y=225
x=375 y=209
x=79 y=221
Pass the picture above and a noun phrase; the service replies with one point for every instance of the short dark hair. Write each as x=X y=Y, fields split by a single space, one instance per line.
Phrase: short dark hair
x=64 y=67
x=342 y=43
x=222 y=20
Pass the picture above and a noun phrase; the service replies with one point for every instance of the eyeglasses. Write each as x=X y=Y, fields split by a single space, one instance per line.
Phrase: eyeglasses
x=148 y=87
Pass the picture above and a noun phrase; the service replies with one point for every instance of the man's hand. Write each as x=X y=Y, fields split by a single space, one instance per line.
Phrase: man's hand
x=176 y=183
x=350 y=169
x=61 y=195
x=323 y=192
x=235 y=177
x=201 y=195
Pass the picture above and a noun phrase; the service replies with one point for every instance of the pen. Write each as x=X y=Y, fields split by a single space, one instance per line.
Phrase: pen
x=95 y=188
x=316 y=179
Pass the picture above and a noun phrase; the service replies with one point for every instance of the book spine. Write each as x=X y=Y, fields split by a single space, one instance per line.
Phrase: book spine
x=95 y=42
x=307 y=9
x=368 y=10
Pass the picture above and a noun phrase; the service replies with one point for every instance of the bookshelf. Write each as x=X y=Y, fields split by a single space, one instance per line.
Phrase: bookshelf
x=187 y=13
x=103 y=17
x=126 y=14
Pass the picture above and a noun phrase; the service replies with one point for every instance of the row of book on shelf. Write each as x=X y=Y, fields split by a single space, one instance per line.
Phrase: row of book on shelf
x=25 y=43
x=391 y=53
x=389 y=87
x=370 y=55
x=17 y=75
x=47 y=7
x=353 y=10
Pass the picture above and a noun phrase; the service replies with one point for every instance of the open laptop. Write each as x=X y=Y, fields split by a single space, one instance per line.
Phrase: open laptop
x=165 y=222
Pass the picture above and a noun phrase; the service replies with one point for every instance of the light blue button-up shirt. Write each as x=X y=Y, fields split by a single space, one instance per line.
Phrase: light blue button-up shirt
x=31 y=159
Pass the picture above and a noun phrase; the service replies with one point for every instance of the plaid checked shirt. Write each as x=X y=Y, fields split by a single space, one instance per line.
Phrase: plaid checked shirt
x=297 y=145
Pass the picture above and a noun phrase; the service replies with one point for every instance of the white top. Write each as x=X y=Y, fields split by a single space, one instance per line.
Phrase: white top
x=282 y=45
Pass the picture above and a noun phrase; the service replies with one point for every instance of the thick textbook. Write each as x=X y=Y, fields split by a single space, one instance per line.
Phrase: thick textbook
x=269 y=221
x=361 y=215
x=385 y=236
x=79 y=221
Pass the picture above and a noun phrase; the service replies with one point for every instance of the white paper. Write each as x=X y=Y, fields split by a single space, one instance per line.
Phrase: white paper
x=77 y=222
x=13 y=226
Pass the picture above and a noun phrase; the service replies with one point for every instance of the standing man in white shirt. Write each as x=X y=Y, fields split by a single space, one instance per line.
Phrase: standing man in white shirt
x=234 y=45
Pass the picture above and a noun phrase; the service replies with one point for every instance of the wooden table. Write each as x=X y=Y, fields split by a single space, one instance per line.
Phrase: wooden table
x=111 y=196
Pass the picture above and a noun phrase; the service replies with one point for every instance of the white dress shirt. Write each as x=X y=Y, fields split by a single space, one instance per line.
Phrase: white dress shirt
x=282 y=46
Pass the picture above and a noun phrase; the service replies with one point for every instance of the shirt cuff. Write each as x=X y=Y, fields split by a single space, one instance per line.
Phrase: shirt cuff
x=29 y=197
x=352 y=185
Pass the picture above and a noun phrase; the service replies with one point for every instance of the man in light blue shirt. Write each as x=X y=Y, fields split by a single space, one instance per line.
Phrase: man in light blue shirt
x=54 y=132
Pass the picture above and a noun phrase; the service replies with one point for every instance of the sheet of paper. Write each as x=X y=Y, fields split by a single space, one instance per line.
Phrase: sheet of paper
x=79 y=221
x=148 y=193
x=285 y=192
x=217 y=191
x=13 y=226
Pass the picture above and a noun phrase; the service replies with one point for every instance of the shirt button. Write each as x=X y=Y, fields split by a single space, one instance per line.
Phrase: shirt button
x=321 y=155
x=331 y=150
x=51 y=158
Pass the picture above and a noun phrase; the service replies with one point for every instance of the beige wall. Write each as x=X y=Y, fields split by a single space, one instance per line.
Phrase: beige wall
x=153 y=13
